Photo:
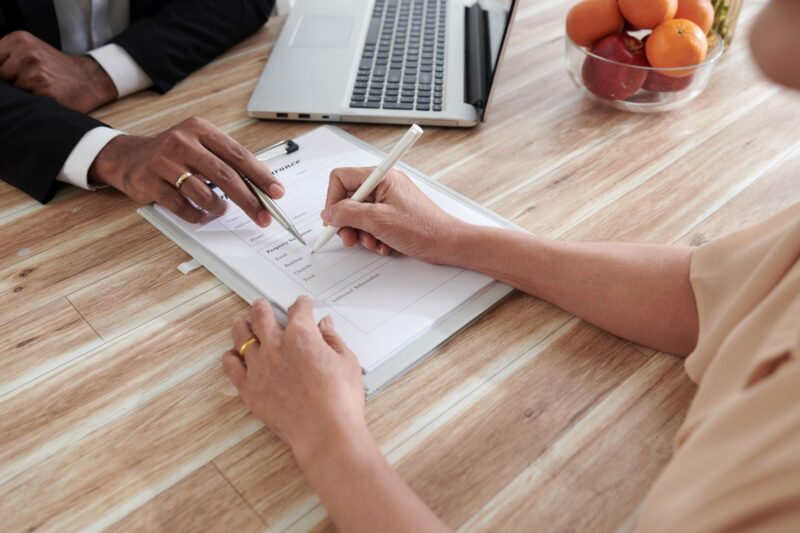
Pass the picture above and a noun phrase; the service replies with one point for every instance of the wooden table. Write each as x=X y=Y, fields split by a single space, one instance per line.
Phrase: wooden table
x=113 y=408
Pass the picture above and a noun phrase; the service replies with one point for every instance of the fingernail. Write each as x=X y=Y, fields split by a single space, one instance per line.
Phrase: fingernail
x=325 y=215
x=327 y=322
x=264 y=217
x=276 y=190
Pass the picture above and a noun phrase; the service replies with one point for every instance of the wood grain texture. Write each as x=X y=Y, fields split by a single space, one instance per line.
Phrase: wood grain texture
x=13 y=201
x=131 y=297
x=114 y=412
x=71 y=265
x=553 y=202
x=204 y=501
x=777 y=189
x=604 y=465
x=127 y=421
x=40 y=342
x=69 y=217
x=682 y=195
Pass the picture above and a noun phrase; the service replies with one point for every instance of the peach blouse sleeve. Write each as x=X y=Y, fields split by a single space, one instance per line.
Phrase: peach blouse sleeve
x=736 y=465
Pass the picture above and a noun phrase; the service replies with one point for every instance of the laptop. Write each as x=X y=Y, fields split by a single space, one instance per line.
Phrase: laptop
x=430 y=62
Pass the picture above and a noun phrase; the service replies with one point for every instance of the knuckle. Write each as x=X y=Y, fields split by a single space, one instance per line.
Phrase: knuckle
x=399 y=177
x=175 y=140
x=197 y=123
x=34 y=58
x=202 y=198
x=240 y=153
x=20 y=38
x=190 y=122
x=172 y=138
x=260 y=308
x=225 y=174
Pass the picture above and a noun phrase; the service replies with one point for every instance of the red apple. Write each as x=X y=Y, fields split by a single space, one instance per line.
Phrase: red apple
x=615 y=81
x=660 y=83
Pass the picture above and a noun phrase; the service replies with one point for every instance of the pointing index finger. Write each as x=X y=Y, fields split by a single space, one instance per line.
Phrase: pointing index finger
x=240 y=159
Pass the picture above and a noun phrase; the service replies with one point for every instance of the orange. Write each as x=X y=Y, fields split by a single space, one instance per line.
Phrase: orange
x=647 y=14
x=701 y=12
x=590 y=20
x=676 y=43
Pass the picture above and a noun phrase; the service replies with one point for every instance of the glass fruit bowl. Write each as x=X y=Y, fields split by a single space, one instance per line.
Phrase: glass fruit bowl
x=640 y=89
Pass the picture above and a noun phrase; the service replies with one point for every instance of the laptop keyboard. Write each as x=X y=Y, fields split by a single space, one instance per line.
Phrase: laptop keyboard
x=402 y=64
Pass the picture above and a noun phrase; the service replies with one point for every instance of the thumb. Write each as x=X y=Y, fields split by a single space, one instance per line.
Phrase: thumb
x=234 y=368
x=330 y=336
x=352 y=214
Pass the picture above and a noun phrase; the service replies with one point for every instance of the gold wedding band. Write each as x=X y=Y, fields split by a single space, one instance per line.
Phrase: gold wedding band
x=185 y=176
x=246 y=344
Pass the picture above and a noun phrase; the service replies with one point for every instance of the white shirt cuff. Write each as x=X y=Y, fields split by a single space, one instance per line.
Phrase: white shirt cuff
x=126 y=73
x=76 y=168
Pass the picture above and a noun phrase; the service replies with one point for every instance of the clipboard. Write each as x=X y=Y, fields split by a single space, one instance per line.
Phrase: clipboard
x=411 y=354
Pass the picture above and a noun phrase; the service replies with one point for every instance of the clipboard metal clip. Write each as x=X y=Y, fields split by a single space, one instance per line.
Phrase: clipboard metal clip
x=278 y=149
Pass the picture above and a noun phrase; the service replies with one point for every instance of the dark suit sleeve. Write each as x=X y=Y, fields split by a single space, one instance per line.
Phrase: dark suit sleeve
x=184 y=35
x=36 y=137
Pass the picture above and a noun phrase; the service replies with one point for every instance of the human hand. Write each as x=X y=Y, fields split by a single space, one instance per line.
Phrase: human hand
x=76 y=82
x=146 y=170
x=397 y=215
x=303 y=382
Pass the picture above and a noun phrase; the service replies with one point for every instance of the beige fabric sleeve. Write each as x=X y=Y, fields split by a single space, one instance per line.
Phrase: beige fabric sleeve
x=736 y=465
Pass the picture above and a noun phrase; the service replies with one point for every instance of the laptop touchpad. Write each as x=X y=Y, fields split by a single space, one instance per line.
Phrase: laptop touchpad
x=323 y=31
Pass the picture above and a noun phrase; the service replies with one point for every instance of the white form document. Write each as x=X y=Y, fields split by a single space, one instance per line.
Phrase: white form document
x=378 y=304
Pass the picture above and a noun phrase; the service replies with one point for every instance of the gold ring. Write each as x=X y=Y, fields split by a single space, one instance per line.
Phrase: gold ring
x=185 y=176
x=246 y=344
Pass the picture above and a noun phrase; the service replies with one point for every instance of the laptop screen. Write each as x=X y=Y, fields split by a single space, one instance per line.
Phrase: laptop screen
x=487 y=29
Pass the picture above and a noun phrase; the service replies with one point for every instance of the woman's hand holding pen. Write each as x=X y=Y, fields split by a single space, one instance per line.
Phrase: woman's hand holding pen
x=397 y=216
x=170 y=169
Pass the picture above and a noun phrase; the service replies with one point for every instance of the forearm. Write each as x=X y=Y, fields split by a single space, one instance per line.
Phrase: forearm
x=640 y=292
x=361 y=491
x=36 y=137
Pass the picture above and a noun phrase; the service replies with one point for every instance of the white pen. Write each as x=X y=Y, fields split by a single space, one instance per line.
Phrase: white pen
x=399 y=150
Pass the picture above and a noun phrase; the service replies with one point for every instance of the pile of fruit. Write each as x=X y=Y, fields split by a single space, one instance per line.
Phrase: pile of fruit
x=677 y=38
